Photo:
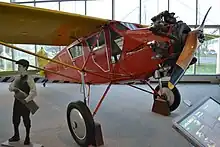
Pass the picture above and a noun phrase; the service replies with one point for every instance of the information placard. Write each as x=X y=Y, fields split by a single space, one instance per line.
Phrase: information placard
x=201 y=124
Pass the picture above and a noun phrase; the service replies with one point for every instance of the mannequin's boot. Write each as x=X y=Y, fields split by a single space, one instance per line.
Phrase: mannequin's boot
x=27 y=138
x=16 y=136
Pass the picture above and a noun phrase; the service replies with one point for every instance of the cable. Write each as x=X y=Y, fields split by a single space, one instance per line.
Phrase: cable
x=133 y=10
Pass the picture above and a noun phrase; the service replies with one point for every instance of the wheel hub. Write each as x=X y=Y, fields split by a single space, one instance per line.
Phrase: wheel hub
x=74 y=125
x=78 y=124
x=167 y=95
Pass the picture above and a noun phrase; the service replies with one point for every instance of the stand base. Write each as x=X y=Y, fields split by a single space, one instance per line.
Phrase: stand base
x=161 y=106
x=19 y=144
x=98 y=135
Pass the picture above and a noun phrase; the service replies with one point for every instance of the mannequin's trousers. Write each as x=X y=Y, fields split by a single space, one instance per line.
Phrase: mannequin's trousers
x=20 y=110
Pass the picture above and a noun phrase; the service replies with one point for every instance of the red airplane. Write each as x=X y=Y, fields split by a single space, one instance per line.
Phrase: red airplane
x=102 y=51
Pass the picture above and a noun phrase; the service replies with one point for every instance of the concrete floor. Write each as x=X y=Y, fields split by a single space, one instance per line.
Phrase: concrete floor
x=125 y=115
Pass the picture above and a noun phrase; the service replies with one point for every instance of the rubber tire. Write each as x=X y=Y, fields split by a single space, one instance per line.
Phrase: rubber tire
x=89 y=122
x=177 y=96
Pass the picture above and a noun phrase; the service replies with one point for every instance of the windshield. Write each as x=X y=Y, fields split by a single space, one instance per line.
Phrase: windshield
x=129 y=25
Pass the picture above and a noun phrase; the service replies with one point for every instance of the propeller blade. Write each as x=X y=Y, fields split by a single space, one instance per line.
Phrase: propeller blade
x=184 y=59
x=187 y=54
x=201 y=27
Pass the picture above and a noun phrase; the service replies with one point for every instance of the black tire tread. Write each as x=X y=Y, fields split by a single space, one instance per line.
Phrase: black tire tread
x=88 y=118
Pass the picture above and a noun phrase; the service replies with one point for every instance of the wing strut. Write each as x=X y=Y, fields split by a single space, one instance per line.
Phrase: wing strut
x=52 y=60
x=42 y=69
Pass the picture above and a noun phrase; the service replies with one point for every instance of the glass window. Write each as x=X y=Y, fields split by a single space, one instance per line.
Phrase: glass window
x=207 y=61
x=120 y=27
x=96 y=41
x=184 y=9
x=21 y=55
x=43 y=0
x=129 y=25
x=7 y=1
x=212 y=18
x=218 y=57
x=117 y=42
x=5 y=65
x=101 y=9
x=76 y=50
x=127 y=11
x=208 y=57
x=28 y=4
x=51 y=51
x=101 y=41
x=150 y=8
x=91 y=41
x=48 y=5
x=73 y=7
x=190 y=70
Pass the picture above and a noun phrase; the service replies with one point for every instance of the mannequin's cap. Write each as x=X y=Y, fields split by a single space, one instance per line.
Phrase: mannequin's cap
x=23 y=62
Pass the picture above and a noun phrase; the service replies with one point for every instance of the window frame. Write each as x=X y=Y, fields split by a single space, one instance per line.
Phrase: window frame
x=96 y=41
x=74 y=46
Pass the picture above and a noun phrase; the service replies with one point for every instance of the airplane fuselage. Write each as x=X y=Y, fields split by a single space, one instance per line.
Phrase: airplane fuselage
x=118 y=52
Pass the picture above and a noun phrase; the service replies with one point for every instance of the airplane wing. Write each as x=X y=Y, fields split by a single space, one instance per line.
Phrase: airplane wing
x=31 y=25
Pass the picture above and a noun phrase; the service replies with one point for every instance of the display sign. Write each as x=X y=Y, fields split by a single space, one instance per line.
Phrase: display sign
x=201 y=124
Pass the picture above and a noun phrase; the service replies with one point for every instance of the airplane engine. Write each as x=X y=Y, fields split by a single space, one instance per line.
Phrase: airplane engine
x=165 y=24
x=180 y=30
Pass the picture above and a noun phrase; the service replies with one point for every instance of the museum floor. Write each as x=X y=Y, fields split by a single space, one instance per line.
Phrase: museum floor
x=125 y=115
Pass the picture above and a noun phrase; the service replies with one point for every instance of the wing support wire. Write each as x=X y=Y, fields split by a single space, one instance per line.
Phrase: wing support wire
x=42 y=69
x=52 y=60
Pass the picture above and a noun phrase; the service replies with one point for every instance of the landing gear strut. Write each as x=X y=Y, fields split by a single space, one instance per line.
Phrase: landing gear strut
x=84 y=130
x=168 y=98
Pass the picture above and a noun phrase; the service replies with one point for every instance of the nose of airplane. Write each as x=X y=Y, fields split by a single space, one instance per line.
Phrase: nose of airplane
x=193 y=40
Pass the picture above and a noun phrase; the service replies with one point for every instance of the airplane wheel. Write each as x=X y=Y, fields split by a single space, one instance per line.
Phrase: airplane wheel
x=173 y=96
x=81 y=124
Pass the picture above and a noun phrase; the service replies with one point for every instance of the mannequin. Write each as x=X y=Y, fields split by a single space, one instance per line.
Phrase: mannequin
x=24 y=83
